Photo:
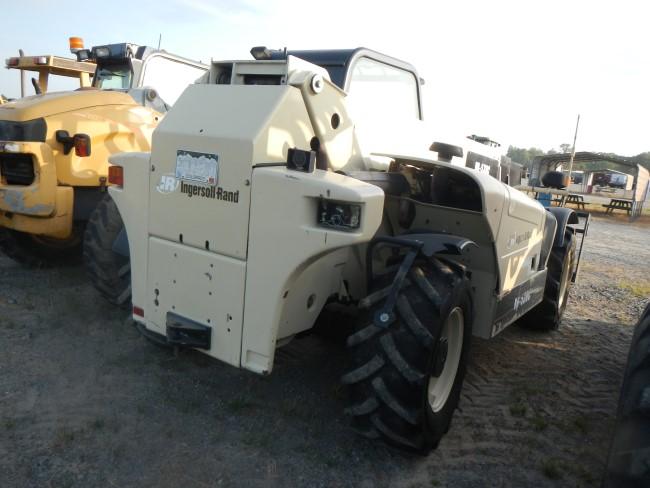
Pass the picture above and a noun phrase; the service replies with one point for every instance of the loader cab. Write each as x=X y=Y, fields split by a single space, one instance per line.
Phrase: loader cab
x=124 y=66
x=379 y=86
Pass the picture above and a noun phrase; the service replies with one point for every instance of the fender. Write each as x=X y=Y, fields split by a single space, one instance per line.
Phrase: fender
x=550 y=228
x=427 y=244
x=564 y=217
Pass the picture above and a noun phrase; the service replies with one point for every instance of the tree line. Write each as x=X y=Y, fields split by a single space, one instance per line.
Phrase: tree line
x=525 y=156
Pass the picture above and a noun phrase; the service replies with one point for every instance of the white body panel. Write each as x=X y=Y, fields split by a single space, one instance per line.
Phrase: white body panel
x=290 y=257
x=202 y=286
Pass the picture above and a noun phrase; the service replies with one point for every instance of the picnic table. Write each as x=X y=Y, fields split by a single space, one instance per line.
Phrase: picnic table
x=572 y=198
x=616 y=204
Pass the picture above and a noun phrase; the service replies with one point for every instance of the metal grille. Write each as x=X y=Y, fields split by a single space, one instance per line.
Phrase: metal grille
x=17 y=169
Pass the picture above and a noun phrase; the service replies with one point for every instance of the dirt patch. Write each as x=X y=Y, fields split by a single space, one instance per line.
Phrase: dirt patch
x=84 y=401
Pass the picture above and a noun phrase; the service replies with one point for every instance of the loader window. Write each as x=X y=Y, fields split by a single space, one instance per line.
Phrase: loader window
x=113 y=76
x=379 y=90
x=170 y=77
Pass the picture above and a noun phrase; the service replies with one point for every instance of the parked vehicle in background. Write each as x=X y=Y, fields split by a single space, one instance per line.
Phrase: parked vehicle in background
x=54 y=147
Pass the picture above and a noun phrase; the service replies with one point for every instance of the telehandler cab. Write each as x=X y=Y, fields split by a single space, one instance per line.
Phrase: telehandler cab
x=54 y=147
x=259 y=206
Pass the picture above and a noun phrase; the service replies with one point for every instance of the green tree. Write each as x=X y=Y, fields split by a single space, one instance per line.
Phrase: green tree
x=524 y=156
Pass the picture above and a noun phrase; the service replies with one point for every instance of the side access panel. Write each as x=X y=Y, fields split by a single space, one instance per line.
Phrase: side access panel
x=199 y=285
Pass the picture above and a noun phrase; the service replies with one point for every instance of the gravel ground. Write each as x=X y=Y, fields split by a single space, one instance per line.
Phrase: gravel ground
x=84 y=401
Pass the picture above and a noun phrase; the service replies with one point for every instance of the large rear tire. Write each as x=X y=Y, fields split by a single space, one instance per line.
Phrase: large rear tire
x=405 y=380
x=548 y=314
x=109 y=271
x=34 y=251
x=629 y=457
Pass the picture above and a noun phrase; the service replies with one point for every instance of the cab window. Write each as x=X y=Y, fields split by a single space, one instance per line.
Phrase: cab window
x=113 y=76
x=379 y=90
x=170 y=77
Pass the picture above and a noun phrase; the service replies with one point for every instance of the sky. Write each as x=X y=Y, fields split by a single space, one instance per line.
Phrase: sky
x=519 y=72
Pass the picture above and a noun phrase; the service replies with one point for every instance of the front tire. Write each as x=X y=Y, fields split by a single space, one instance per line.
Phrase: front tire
x=405 y=380
x=548 y=314
x=629 y=457
x=109 y=271
x=34 y=251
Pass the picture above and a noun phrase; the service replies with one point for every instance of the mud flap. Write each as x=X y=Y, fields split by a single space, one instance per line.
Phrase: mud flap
x=583 y=231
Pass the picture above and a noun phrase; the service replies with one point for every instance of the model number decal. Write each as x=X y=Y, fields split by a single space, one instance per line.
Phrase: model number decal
x=197 y=167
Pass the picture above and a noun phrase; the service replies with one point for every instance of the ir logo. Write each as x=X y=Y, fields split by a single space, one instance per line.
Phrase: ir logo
x=168 y=184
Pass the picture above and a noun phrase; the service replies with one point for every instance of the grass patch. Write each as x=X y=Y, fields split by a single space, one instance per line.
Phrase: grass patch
x=240 y=404
x=64 y=437
x=98 y=424
x=639 y=289
x=261 y=440
x=586 y=476
x=551 y=468
x=539 y=423
x=8 y=424
x=581 y=425
x=518 y=409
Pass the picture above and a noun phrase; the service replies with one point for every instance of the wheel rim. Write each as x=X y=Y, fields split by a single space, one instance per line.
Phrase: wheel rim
x=564 y=281
x=451 y=338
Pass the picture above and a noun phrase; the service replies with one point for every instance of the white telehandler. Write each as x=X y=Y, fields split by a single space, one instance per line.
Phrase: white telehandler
x=260 y=205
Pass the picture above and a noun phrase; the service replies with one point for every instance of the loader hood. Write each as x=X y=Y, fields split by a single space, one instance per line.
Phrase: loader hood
x=40 y=106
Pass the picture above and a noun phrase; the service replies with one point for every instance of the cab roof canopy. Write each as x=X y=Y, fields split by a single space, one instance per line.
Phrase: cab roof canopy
x=337 y=62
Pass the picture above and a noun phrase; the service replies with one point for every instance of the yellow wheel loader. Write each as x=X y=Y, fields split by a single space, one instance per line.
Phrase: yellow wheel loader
x=245 y=226
x=54 y=147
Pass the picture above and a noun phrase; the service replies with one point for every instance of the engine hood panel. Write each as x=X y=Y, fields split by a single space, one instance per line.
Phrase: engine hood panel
x=39 y=106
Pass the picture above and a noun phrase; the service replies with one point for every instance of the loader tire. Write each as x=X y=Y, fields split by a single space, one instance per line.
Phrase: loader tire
x=109 y=271
x=628 y=462
x=548 y=314
x=405 y=380
x=34 y=251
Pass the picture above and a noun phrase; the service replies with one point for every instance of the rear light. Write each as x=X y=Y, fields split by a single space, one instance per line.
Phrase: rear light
x=12 y=62
x=116 y=176
x=339 y=215
x=137 y=310
x=40 y=60
x=81 y=144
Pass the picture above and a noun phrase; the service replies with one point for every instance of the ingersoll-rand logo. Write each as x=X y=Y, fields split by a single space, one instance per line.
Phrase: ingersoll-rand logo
x=170 y=184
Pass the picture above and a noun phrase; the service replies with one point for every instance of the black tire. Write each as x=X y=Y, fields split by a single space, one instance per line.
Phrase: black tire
x=554 y=179
x=34 y=251
x=391 y=368
x=548 y=314
x=109 y=271
x=629 y=456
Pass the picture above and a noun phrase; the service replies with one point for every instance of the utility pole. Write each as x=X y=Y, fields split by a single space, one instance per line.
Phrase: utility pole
x=22 y=76
x=573 y=151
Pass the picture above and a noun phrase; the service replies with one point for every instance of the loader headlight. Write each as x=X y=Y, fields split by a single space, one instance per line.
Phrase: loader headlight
x=339 y=215
x=102 y=52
